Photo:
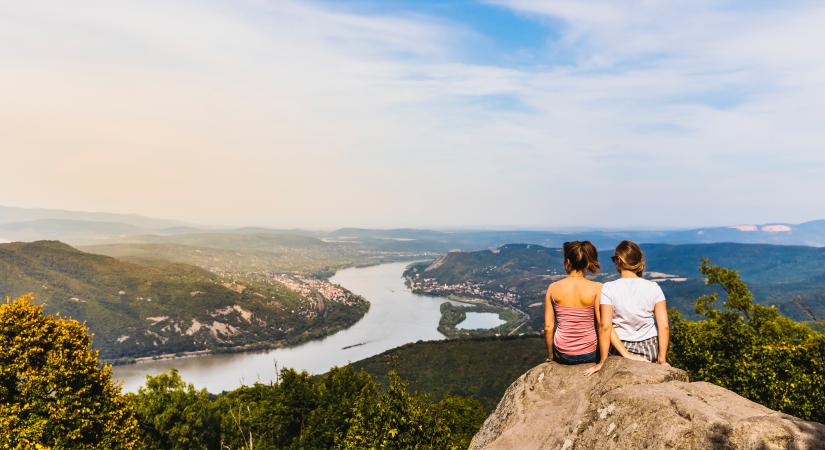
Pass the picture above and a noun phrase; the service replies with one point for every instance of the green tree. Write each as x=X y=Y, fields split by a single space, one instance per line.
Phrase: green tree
x=54 y=392
x=247 y=417
x=174 y=415
x=463 y=417
x=300 y=411
x=397 y=419
x=344 y=408
x=336 y=393
x=751 y=349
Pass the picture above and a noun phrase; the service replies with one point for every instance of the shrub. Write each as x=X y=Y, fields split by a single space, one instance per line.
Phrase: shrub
x=751 y=349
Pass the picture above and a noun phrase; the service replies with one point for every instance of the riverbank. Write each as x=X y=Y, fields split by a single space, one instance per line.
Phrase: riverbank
x=395 y=317
x=307 y=335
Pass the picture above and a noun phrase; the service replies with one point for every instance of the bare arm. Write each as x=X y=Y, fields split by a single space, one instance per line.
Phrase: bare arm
x=662 y=323
x=614 y=338
x=622 y=350
x=605 y=332
x=618 y=345
x=549 y=323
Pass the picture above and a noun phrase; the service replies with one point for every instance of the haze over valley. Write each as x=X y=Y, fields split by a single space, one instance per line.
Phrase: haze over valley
x=152 y=287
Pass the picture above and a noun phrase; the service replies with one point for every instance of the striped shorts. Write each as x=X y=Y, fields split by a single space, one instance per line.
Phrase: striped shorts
x=649 y=348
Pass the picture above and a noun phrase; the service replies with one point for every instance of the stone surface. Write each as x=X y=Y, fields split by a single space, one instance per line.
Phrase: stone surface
x=634 y=405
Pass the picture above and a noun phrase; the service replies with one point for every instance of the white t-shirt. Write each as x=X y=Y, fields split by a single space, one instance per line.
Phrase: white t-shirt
x=633 y=300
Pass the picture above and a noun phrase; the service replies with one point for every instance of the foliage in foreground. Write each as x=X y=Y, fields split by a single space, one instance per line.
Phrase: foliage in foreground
x=344 y=408
x=480 y=368
x=53 y=392
x=751 y=349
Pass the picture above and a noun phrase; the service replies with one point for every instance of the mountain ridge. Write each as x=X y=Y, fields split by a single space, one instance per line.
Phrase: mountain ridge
x=402 y=239
x=18 y=214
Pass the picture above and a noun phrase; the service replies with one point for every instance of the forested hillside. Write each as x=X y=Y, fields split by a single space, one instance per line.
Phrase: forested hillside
x=790 y=277
x=159 y=307
x=478 y=368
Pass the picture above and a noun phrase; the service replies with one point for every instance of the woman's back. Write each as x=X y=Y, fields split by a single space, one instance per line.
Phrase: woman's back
x=636 y=306
x=575 y=291
x=573 y=300
x=633 y=300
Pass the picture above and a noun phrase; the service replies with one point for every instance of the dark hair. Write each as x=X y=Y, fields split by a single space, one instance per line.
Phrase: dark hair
x=629 y=256
x=580 y=256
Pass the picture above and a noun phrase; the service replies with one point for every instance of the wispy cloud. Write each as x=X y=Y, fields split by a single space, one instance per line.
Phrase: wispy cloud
x=309 y=113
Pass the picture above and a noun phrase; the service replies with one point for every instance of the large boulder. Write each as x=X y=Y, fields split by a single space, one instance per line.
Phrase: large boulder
x=634 y=405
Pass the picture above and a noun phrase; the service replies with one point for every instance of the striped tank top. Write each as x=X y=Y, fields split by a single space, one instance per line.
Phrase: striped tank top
x=575 y=329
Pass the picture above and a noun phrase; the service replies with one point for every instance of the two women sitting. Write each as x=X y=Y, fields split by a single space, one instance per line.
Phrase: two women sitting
x=583 y=318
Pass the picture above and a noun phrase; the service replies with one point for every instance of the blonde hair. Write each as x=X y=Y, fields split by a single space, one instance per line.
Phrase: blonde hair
x=581 y=256
x=629 y=256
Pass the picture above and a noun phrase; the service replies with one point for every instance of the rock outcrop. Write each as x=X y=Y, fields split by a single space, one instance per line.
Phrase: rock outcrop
x=634 y=405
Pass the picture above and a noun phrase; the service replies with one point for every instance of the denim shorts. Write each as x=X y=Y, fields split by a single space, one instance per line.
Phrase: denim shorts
x=561 y=358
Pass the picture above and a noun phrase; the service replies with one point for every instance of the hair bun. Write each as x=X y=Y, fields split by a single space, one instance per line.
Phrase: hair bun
x=581 y=256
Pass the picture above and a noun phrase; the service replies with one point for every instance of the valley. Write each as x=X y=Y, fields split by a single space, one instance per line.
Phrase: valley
x=153 y=308
x=151 y=289
x=396 y=317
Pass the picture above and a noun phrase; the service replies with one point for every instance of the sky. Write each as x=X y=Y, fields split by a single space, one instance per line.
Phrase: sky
x=497 y=113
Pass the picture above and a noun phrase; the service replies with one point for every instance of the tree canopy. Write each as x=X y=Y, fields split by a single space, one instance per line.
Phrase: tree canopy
x=54 y=392
x=344 y=408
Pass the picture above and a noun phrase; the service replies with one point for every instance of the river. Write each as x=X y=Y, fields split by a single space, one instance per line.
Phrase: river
x=396 y=317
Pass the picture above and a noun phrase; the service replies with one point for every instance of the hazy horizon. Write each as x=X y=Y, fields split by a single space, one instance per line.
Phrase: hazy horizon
x=480 y=227
x=469 y=114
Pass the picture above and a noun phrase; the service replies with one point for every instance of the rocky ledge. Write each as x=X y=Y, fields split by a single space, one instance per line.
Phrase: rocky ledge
x=634 y=405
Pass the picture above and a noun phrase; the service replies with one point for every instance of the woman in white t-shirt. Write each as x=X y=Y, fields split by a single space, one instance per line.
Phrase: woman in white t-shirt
x=635 y=307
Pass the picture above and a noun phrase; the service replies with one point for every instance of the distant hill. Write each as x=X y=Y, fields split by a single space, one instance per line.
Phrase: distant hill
x=89 y=228
x=250 y=252
x=158 y=307
x=252 y=241
x=70 y=230
x=23 y=224
x=790 y=277
x=10 y=214
x=808 y=234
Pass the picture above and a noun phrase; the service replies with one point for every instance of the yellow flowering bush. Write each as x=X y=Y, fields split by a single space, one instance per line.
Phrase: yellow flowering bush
x=54 y=392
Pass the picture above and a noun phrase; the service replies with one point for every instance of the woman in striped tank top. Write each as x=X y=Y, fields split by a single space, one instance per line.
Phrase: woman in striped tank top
x=571 y=313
